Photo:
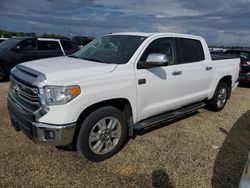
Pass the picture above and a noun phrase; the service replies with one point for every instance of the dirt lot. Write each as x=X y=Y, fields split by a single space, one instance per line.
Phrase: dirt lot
x=205 y=149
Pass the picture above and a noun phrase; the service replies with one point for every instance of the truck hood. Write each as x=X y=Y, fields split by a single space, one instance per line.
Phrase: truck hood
x=61 y=70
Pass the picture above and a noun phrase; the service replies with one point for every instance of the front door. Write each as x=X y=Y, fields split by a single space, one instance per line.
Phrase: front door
x=158 y=88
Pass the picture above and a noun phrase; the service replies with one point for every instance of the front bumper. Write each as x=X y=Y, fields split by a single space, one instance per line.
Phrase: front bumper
x=42 y=133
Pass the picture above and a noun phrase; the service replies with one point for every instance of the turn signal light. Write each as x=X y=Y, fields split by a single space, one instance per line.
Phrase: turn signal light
x=75 y=91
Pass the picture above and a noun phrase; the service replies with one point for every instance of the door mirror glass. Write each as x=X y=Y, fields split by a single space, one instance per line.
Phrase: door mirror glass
x=155 y=60
x=17 y=48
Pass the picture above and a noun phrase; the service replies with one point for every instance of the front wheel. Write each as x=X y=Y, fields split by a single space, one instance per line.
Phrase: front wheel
x=220 y=97
x=102 y=134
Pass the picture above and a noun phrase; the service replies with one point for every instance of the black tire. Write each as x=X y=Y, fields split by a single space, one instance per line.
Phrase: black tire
x=2 y=73
x=213 y=104
x=83 y=144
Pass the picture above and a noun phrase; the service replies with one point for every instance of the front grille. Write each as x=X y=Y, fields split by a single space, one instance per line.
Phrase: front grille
x=25 y=94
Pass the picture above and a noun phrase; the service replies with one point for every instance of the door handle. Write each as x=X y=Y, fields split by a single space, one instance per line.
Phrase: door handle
x=176 y=73
x=209 y=68
x=142 y=81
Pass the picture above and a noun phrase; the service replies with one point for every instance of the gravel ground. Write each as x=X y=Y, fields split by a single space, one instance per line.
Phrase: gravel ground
x=205 y=149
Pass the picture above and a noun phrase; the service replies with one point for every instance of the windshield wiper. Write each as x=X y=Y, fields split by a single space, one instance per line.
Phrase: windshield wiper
x=73 y=56
x=88 y=59
x=92 y=59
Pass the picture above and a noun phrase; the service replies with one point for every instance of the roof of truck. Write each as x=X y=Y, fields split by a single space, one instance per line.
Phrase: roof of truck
x=143 y=34
x=133 y=33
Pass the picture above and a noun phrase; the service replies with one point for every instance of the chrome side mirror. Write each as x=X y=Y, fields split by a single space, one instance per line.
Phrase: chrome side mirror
x=155 y=60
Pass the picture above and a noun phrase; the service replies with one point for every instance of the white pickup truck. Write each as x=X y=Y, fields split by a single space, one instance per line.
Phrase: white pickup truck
x=116 y=84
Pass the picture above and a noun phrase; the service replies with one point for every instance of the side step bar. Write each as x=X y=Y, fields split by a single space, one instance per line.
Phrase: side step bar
x=168 y=116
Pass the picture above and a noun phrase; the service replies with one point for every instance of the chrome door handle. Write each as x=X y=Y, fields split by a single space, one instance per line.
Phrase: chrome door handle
x=209 y=68
x=176 y=73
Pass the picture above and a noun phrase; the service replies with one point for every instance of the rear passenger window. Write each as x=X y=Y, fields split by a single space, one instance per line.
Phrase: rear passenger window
x=192 y=50
x=66 y=45
x=48 y=45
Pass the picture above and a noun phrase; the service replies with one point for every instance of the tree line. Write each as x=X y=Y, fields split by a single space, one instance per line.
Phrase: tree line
x=9 y=34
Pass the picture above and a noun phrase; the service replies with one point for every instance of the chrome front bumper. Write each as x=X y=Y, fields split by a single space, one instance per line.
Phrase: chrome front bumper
x=56 y=135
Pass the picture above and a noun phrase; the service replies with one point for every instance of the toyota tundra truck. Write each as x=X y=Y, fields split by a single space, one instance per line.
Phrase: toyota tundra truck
x=118 y=83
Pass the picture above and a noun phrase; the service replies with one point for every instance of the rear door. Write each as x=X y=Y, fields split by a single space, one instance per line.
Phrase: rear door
x=196 y=71
x=47 y=48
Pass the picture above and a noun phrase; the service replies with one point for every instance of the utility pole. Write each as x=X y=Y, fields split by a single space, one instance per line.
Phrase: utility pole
x=70 y=25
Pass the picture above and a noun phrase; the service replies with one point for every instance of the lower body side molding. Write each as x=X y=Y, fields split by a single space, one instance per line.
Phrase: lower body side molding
x=149 y=122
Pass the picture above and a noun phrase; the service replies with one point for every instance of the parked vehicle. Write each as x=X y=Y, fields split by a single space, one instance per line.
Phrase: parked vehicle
x=118 y=83
x=82 y=41
x=17 y=50
x=3 y=39
x=244 y=55
x=245 y=178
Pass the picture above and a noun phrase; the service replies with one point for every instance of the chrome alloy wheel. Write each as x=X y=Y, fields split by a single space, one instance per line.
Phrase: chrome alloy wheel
x=105 y=135
x=222 y=97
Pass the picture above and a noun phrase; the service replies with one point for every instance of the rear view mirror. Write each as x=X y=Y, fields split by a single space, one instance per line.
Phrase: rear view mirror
x=155 y=60
x=17 y=48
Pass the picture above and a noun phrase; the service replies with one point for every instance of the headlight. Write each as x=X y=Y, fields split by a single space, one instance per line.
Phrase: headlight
x=58 y=95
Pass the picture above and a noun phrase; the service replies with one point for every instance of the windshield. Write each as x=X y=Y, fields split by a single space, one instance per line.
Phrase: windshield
x=117 y=49
x=10 y=43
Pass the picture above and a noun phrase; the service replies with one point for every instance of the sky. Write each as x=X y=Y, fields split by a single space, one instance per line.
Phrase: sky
x=220 y=22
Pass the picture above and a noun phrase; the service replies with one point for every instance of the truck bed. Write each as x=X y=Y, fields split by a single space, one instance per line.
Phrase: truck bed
x=222 y=56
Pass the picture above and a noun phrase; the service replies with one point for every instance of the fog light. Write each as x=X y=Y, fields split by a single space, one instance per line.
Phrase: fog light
x=49 y=135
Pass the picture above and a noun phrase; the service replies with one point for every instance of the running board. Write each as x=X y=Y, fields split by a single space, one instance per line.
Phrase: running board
x=168 y=116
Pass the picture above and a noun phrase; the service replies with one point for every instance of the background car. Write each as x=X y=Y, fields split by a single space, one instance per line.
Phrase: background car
x=3 y=39
x=244 y=55
x=18 y=50
x=82 y=41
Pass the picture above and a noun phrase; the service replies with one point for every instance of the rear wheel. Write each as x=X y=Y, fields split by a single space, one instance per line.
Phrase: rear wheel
x=220 y=97
x=2 y=73
x=102 y=134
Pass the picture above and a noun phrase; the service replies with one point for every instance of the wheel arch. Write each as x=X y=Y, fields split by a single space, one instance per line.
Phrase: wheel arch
x=225 y=79
x=6 y=69
x=228 y=80
x=122 y=104
x=2 y=63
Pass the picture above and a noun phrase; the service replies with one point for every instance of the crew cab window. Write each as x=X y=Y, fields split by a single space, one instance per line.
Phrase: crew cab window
x=48 y=45
x=192 y=50
x=66 y=45
x=29 y=44
x=162 y=46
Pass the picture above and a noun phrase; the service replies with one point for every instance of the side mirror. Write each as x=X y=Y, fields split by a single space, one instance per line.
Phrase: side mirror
x=17 y=48
x=155 y=60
